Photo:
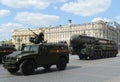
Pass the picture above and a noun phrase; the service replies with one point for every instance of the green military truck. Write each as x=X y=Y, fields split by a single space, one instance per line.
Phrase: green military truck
x=92 y=48
x=5 y=50
x=37 y=55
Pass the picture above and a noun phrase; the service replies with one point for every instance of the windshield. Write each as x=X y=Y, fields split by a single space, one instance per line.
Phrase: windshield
x=26 y=48
x=31 y=48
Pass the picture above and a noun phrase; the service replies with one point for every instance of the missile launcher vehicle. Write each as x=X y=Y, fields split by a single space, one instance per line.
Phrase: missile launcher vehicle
x=92 y=48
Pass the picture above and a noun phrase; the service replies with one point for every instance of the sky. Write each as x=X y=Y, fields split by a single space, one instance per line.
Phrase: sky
x=17 y=14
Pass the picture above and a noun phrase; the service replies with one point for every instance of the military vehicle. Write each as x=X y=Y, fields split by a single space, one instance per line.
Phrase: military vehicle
x=92 y=48
x=5 y=50
x=37 y=55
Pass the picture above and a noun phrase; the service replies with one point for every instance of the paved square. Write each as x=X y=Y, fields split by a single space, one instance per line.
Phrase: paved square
x=100 y=70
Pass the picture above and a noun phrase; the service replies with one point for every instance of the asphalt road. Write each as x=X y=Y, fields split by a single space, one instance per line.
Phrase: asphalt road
x=100 y=70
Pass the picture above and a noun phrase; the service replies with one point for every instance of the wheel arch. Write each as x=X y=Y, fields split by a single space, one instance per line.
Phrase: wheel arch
x=66 y=58
x=30 y=59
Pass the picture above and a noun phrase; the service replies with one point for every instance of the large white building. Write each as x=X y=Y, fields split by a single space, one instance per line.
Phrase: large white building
x=99 y=29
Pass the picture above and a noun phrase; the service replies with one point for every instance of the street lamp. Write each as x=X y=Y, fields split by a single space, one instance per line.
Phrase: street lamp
x=70 y=22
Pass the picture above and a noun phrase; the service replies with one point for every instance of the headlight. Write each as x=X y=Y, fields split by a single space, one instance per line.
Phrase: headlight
x=17 y=59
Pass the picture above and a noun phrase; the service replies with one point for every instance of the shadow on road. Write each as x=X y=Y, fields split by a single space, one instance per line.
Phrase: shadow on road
x=44 y=71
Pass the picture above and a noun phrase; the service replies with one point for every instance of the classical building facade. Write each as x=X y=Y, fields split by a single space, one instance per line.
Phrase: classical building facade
x=6 y=43
x=99 y=29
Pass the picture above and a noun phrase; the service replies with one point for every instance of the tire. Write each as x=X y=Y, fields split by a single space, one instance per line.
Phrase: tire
x=12 y=71
x=86 y=57
x=47 y=66
x=27 y=67
x=61 y=64
x=81 y=57
x=91 y=57
x=1 y=60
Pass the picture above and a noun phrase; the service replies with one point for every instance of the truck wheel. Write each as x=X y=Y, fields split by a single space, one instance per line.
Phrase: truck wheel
x=13 y=70
x=81 y=57
x=61 y=64
x=47 y=66
x=27 y=67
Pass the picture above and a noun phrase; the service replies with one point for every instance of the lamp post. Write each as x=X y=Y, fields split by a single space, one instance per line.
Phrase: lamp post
x=70 y=22
x=118 y=38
